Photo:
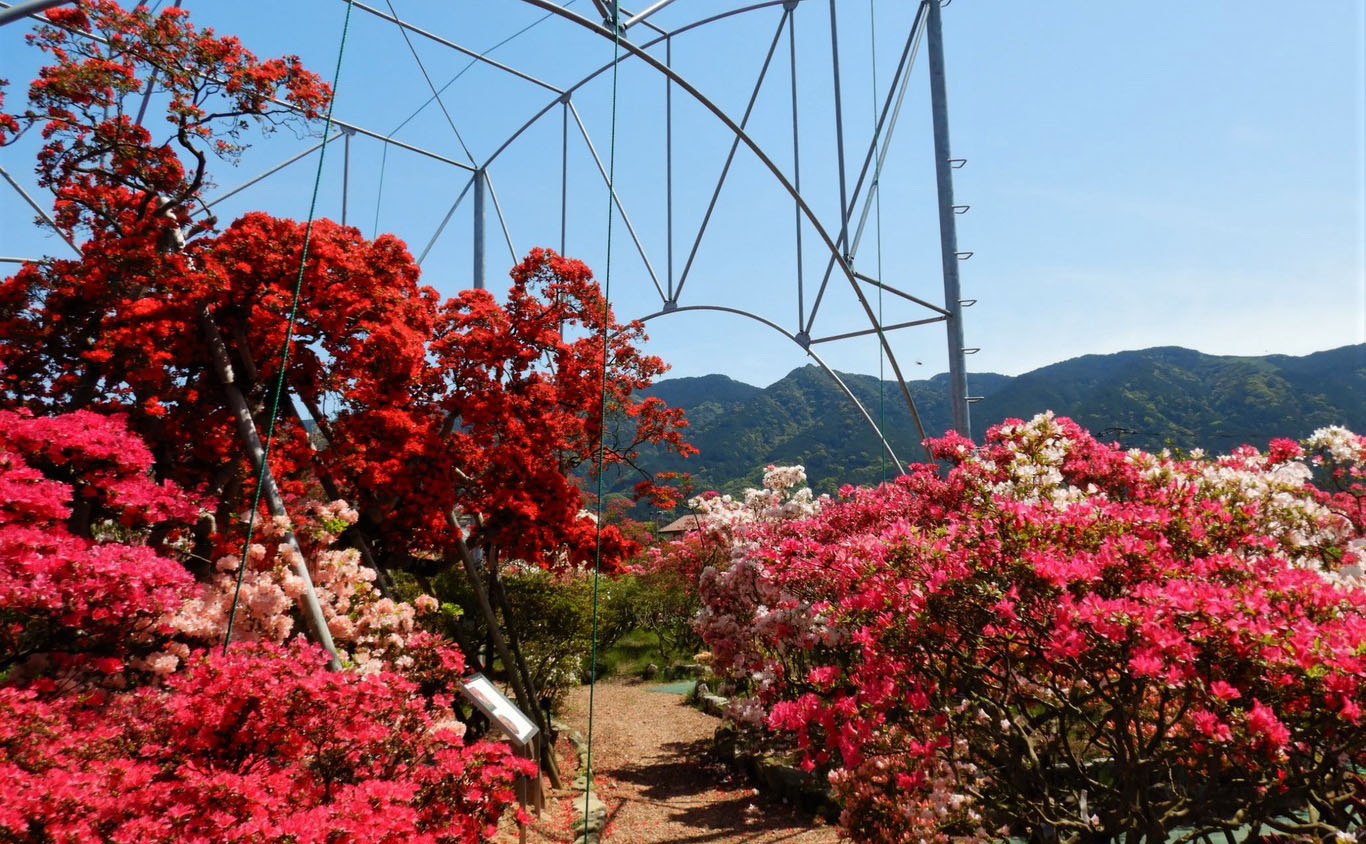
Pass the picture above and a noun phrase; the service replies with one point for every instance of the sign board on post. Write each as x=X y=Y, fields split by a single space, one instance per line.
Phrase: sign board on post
x=514 y=723
x=499 y=710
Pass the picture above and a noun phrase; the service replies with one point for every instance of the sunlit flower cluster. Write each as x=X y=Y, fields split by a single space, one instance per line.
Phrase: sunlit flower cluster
x=951 y=646
x=367 y=627
x=784 y=495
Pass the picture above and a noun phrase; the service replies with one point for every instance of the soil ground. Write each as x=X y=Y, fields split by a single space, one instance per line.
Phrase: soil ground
x=650 y=758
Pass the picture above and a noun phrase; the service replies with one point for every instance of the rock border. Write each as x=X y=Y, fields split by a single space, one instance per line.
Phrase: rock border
x=588 y=826
x=790 y=784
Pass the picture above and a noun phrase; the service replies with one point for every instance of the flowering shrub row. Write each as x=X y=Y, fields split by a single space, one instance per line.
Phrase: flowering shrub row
x=1059 y=639
x=115 y=724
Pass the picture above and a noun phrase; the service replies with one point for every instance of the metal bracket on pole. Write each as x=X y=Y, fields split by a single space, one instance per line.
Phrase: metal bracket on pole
x=346 y=171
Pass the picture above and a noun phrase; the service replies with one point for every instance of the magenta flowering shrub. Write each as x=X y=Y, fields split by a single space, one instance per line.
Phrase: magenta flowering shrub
x=1059 y=640
x=71 y=606
x=116 y=726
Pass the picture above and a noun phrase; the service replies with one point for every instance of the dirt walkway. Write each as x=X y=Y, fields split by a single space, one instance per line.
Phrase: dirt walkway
x=649 y=756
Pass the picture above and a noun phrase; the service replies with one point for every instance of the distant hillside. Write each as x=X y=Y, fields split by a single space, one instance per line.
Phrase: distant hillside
x=1149 y=398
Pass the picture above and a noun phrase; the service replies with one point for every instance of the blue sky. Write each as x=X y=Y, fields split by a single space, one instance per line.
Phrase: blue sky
x=1139 y=175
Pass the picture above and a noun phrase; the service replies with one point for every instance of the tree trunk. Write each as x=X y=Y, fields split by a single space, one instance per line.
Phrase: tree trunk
x=500 y=597
x=526 y=698
x=251 y=439
x=353 y=535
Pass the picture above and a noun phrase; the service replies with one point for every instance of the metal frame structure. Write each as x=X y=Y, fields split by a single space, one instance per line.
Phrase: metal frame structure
x=840 y=238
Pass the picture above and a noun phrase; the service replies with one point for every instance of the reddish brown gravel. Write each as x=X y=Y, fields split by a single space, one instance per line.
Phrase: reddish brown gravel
x=652 y=772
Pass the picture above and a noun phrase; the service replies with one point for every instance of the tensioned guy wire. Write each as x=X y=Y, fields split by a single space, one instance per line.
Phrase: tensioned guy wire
x=278 y=389
x=876 y=188
x=602 y=406
x=384 y=154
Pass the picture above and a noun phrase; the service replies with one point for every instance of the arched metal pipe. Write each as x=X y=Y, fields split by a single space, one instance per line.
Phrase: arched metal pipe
x=33 y=7
x=640 y=53
x=817 y=358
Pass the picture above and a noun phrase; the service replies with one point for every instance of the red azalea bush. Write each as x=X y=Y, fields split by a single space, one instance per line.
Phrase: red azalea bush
x=115 y=722
x=260 y=745
x=70 y=604
x=1060 y=640
x=102 y=739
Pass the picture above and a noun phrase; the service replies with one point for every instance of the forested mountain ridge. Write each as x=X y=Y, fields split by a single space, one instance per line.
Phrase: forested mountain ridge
x=1150 y=398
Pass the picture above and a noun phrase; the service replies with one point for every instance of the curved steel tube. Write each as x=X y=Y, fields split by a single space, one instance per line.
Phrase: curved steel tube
x=817 y=358
x=640 y=53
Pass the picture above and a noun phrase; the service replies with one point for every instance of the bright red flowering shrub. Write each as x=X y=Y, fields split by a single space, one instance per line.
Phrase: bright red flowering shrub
x=260 y=745
x=108 y=171
x=1057 y=639
x=114 y=725
x=70 y=605
x=102 y=740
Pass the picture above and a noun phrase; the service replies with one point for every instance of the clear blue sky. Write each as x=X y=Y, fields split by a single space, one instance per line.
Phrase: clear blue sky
x=1139 y=174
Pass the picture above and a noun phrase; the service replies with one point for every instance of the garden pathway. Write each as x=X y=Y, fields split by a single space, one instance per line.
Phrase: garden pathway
x=652 y=772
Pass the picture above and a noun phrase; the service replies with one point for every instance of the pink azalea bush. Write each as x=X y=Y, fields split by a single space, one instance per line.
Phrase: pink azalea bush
x=1059 y=640
x=367 y=628
x=119 y=721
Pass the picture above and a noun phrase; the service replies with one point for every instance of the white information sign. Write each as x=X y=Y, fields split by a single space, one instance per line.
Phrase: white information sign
x=501 y=711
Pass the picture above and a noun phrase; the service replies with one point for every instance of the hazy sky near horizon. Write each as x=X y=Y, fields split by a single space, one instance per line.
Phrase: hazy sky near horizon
x=1139 y=174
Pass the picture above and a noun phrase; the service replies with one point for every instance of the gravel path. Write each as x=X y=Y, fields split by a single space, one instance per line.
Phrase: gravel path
x=649 y=757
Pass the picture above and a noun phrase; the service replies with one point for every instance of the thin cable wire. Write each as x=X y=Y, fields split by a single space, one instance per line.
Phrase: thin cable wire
x=278 y=390
x=876 y=187
x=384 y=155
x=436 y=95
x=602 y=420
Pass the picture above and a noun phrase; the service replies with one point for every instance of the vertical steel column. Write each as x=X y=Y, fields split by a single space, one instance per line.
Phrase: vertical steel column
x=803 y=336
x=839 y=130
x=948 y=230
x=479 y=229
x=669 y=165
x=564 y=175
x=346 y=172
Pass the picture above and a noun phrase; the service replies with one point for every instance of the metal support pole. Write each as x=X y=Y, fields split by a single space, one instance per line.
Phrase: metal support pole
x=730 y=156
x=639 y=17
x=948 y=231
x=346 y=173
x=47 y=218
x=479 y=230
x=444 y=220
x=23 y=10
x=803 y=335
x=277 y=168
x=502 y=221
x=669 y=163
x=839 y=130
x=564 y=175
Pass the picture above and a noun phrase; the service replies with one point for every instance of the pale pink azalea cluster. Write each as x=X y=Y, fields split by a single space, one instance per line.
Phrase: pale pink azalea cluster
x=367 y=627
x=784 y=495
x=1032 y=453
x=742 y=589
x=1340 y=444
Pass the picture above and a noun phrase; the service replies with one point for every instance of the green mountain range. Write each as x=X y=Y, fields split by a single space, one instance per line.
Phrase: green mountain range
x=1164 y=396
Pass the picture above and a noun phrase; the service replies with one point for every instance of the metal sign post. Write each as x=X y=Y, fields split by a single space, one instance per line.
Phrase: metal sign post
x=519 y=729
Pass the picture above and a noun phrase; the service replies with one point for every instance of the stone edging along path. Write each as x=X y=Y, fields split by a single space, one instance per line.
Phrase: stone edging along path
x=592 y=818
x=790 y=784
